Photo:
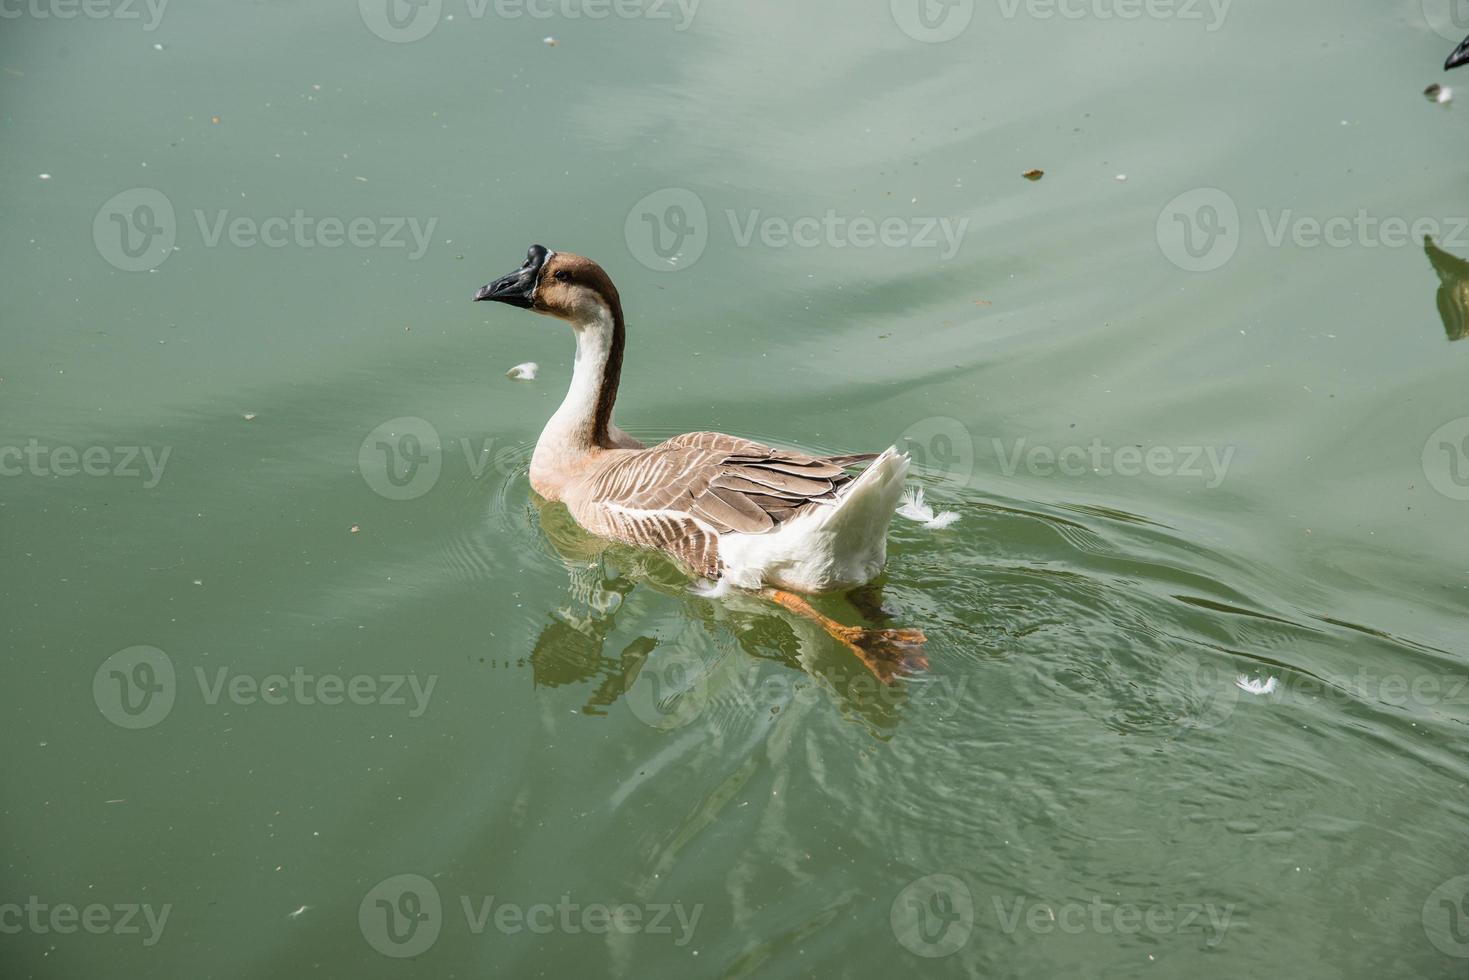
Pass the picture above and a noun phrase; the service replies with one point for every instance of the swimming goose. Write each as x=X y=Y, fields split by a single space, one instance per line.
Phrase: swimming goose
x=1459 y=57
x=746 y=515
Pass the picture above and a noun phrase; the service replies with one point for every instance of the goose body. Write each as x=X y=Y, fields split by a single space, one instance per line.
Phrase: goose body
x=746 y=514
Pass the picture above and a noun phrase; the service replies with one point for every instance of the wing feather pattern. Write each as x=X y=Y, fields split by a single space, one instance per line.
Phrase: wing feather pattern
x=680 y=495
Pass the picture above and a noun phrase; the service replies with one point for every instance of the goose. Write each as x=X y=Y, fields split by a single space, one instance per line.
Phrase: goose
x=1459 y=57
x=748 y=516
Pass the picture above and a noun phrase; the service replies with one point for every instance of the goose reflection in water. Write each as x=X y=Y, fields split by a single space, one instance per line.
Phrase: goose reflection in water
x=707 y=651
x=1453 y=290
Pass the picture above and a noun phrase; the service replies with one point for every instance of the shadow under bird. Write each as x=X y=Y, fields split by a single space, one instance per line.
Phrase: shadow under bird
x=751 y=517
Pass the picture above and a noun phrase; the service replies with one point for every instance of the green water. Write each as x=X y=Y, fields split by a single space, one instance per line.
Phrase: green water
x=1203 y=427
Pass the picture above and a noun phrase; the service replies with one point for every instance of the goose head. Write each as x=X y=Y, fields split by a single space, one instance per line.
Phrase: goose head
x=1459 y=57
x=560 y=284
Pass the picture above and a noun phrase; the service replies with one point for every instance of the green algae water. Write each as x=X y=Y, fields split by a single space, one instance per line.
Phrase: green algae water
x=300 y=679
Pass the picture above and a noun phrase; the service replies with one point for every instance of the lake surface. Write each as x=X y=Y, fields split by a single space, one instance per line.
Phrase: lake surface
x=300 y=679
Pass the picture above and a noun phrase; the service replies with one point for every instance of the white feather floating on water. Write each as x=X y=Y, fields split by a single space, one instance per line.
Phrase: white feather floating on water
x=914 y=508
x=523 y=372
x=717 y=589
x=1254 y=685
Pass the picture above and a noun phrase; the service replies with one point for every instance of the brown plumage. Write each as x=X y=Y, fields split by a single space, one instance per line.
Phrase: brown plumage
x=685 y=495
x=658 y=497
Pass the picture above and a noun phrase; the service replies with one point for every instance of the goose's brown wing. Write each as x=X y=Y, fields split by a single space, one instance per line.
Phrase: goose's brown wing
x=681 y=494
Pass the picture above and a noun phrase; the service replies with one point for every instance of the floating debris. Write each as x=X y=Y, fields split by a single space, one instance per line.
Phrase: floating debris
x=355 y=529
x=550 y=42
x=214 y=119
x=1441 y=94
x=43 y=176
x=249 y=416
x=717 y=589
x=523 y=372
x=1033 y=174
x=1122 y=178
x=1253 y=685
x=915 y=509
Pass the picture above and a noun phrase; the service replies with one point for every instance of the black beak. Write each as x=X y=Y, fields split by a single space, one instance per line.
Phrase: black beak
x=1459 y=57
x=518 y=288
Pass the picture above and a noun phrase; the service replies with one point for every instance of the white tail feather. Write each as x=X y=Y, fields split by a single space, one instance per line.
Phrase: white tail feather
x=834 y=546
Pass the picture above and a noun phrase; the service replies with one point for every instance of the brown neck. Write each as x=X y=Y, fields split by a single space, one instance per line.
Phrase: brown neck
x=611 y=376
x=584 y=420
